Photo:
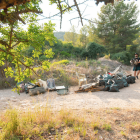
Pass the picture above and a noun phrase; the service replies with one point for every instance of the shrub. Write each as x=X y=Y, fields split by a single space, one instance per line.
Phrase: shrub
x=84 y=54
x=65 y=54
x=77 y=51
x=123 y=57
x=63 y=62
x=42 y=58
x=95 y=50
x=107 y=56
x=107 y=126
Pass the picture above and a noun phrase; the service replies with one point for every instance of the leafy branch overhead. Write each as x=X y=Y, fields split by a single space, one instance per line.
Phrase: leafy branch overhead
x=14 y=40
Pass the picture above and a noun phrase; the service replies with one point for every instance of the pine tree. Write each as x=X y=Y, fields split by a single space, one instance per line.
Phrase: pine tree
x=117 y=25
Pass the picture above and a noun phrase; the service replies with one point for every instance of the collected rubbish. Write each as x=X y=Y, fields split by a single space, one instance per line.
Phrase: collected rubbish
x=43 y=84
x=29 y=86
x=36 y=91
x=81 y=78
x=51 y=84
x=33 y=89
x=112 y=82
x=90 y=87
x=61 y=90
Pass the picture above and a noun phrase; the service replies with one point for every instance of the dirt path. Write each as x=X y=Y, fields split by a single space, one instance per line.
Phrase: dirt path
x=127 y=98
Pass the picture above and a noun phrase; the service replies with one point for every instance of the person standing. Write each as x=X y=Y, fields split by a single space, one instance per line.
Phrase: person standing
x=136 y=68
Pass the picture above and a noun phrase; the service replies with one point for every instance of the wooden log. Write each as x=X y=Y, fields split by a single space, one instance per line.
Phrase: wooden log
x=36 y=91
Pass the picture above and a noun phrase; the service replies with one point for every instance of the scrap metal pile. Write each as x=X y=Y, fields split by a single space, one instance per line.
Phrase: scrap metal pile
x=112 y=82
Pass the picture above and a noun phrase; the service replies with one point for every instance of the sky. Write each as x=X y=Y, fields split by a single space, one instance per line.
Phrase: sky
x=88 y=10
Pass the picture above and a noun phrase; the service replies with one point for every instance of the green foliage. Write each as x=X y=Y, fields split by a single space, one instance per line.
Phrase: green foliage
x=42 y=58
x=65 y=54
x=63 y=62
x=29 y=51
x=95 y=50
x=21 y=47
x=123 y=57
x=71 y=36
x=84 y=54
x=107 y=126
x=83 y=38
x=122 y=133
x=117 y=25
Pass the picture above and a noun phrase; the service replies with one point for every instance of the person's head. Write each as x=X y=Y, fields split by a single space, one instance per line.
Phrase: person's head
x=136 y=55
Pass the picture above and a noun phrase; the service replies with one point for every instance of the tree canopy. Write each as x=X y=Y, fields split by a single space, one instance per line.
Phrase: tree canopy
x=117 y=25
x=15 y=40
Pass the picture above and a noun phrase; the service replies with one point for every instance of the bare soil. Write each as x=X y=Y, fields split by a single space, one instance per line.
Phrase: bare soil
x=128 y=97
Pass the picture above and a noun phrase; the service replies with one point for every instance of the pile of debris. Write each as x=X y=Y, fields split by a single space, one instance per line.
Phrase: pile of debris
x=39 y=87
x=112 y=82
x=90 y=87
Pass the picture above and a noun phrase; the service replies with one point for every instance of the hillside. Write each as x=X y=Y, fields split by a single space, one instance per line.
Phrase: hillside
x=59 y=35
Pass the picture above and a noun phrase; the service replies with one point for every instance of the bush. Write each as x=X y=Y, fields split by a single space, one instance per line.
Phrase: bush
x=65 y=54
x=123 y=57
x=84 y=54
x=77 y=51
x=63 y=62
x=95 y=50
x=107 y=56
x=42 y=58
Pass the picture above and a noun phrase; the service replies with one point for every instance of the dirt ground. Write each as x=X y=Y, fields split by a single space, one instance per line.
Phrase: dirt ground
x=128 y=97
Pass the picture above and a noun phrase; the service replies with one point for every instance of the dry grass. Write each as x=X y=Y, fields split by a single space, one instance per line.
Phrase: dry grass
x=64 y=72
x=43 y=123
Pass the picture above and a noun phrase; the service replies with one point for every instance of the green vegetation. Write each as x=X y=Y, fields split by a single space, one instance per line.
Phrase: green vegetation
x=64 y=62
x=107 y=126
x=116 y=29
x=123 y=133
x=117 y=25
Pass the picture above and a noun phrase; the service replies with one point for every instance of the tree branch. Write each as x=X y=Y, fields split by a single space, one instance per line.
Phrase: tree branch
x=1 y=50
x=78 y=11
x=11 y=33
x=15 y=44
x=60 y=13
x=64 y=10
x=4 y=42
x=29 y=10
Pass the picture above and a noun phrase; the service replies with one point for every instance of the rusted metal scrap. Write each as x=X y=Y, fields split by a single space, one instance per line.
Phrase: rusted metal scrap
x=90 y=88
